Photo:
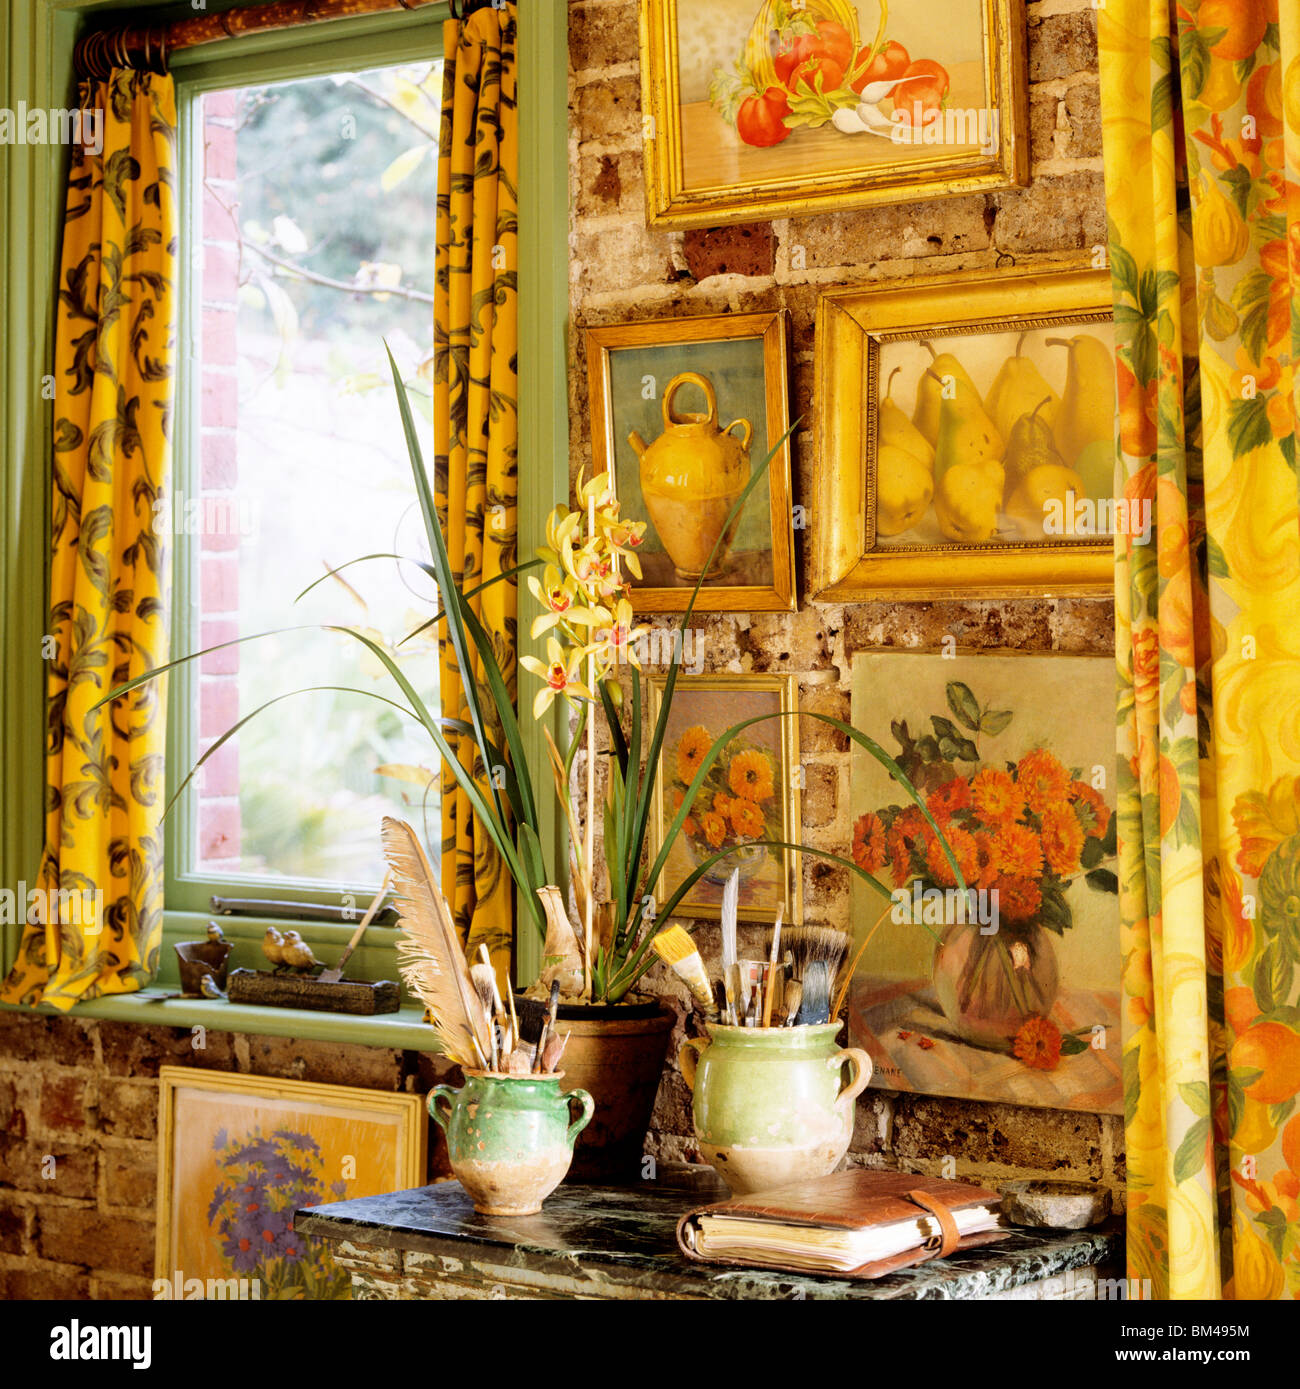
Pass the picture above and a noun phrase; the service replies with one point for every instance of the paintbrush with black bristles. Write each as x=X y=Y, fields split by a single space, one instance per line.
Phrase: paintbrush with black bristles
x=817 y=951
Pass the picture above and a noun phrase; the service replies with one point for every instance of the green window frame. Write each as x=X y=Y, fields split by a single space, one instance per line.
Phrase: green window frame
x=37 y=68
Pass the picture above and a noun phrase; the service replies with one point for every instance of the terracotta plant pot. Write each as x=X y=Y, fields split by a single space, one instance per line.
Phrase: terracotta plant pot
x=620 y=1060
x=770 y=1103
x=509 y=1137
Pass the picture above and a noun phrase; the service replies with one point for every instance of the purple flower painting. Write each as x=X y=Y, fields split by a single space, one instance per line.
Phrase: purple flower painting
x=263 y=1180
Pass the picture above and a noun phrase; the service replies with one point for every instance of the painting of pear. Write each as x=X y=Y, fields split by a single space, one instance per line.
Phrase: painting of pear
x=1007 y=435
x=691 y=476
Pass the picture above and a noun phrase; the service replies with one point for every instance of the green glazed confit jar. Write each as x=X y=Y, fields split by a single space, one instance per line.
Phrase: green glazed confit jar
x=509 y=1138
x=771 y=1104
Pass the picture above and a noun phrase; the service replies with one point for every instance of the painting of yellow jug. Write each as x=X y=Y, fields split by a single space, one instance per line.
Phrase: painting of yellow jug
x=691 y=476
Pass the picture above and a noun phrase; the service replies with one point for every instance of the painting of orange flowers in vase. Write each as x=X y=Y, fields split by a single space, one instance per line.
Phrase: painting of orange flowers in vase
x=1004 y=986
x=747 y=804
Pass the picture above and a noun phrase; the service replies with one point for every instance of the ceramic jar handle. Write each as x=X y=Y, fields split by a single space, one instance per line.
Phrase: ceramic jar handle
x=745 y=437
x=688 y=1061
x=446 y=1093
x=583 y=1119
x=695 y=379
x=862 y=1074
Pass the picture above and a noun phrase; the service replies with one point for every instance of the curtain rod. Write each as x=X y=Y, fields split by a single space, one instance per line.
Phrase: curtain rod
x=146 y=47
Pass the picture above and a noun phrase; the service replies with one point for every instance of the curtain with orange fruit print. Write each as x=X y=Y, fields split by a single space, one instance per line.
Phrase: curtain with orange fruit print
x=1201 y=123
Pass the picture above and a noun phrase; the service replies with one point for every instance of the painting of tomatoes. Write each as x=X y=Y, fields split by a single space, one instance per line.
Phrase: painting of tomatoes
x=773 y=107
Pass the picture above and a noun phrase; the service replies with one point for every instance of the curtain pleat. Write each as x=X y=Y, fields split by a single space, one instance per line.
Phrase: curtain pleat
x=476 y=428
x=1201 y=126
x=95 y=913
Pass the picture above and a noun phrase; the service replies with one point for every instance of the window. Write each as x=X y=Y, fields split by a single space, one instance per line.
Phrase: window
x=308 y=207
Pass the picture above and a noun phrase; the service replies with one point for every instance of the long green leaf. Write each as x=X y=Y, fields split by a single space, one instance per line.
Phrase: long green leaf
x=868 y=744
x=629 y=814
x=361 y=559
x=234 y=728
x=470 y=593
x=505 y=711
x=442 y=565
x=493 y=822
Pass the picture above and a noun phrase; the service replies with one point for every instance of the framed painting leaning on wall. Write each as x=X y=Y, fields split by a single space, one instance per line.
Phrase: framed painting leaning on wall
x=239 y=1154
x=754 y=109
x=1010 y=991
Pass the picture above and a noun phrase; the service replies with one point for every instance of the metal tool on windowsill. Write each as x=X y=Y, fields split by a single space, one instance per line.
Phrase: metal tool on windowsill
x=332 y=976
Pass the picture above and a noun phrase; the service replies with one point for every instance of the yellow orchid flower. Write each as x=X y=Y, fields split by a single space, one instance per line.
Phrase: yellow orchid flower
x=558 y=672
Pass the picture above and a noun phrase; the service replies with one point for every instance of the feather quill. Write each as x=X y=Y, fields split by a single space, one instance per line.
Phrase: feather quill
x=429 y=953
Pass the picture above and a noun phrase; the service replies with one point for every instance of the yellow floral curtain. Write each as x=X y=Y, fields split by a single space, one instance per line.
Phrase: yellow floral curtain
x=95 y=912
x=476 y=426
x=1201 y=121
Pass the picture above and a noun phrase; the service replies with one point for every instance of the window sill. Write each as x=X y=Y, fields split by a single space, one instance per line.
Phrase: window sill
x=403 y=1030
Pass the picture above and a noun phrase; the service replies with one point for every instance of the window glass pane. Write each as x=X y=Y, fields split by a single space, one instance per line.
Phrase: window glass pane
x=316 y=223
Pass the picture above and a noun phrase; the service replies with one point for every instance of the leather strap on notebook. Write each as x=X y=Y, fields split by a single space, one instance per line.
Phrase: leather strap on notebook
x=950 y=1238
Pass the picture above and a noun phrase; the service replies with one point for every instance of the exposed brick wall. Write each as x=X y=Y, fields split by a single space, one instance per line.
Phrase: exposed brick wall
x=79 y=1138
x=619 y=269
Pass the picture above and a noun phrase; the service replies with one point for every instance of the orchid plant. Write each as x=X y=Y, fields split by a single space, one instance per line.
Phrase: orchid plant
x=586 y=616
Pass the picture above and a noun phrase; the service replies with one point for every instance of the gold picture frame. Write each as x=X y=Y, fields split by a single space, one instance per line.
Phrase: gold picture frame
x=767 y=882
x=297 y=1143
x=709 y=161
x=850 y=561
x=641 y=375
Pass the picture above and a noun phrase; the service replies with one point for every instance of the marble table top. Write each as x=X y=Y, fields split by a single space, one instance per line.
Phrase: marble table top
x=626 y=1235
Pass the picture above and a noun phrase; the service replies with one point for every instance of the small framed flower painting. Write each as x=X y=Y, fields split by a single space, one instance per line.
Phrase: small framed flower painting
x=239 y=1154
x=1009 y=988
x=750 y=794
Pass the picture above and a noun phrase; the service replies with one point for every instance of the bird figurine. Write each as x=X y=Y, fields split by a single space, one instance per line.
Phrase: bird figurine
x=273 y=946
x=215 y=935
x=209 y=988
x=296 y=953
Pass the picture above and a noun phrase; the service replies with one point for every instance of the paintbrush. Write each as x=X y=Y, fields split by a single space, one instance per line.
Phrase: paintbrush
x=793 y=997
x=730 y=906
x=484 y=979
x=548 y=1027
x=678 y=951
x=771 y=969
x=823 y=947
x=506 y=1040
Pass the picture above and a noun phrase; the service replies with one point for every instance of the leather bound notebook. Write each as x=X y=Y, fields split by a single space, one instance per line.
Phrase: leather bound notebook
x=853 y=1224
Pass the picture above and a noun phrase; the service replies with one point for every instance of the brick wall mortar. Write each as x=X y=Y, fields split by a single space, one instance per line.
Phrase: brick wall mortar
x=620 y=269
